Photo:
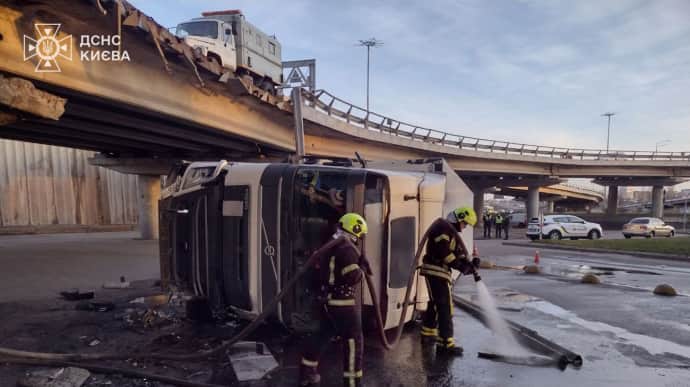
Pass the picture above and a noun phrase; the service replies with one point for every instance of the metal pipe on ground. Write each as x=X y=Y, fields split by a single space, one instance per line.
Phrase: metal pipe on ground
x=528 y=337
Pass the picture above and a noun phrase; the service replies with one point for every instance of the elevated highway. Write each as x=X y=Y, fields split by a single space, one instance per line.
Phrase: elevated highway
x=169 y=103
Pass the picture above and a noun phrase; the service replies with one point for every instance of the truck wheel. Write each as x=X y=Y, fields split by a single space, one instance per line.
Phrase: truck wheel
x=216 y=58
x=555 y=235
x=267 y=85
x=594 y=234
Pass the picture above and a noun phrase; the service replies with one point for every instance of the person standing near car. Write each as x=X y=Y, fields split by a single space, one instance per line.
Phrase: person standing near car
x=499 y=224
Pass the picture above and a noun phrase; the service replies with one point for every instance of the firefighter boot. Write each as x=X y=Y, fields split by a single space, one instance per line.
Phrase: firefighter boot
x=310 y=380
x=308 y=374
x=447 y=347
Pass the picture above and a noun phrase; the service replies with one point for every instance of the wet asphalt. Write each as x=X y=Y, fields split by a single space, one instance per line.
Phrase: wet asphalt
x=626 y=335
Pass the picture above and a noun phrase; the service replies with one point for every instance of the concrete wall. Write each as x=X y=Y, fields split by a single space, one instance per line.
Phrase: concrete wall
x=48 y=185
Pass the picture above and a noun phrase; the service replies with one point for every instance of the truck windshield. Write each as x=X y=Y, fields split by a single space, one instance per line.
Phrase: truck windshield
x=207 y=29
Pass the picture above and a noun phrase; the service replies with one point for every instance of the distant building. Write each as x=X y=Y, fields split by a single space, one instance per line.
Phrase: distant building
x=642 y=196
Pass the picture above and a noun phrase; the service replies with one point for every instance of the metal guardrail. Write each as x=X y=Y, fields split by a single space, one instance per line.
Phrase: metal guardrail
x=357 y=116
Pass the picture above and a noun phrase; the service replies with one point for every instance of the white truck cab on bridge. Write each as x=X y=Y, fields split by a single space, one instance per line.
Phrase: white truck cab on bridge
x=236 y=232
x=235 y=44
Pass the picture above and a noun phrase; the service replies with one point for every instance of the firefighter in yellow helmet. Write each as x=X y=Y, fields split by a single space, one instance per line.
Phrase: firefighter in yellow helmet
x=444 y=251
x=338 y=272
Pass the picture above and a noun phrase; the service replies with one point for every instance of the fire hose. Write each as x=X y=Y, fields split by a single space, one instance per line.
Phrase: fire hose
x=58 y=359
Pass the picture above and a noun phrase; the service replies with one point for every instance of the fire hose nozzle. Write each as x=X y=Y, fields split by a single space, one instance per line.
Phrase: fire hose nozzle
x=477 y=277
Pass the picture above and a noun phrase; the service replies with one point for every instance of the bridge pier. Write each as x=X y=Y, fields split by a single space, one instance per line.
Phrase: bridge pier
x=149 y=189
x=532 y=202
x=612 y=204
x=550 y=206
x=478 y=203
x=658 y=201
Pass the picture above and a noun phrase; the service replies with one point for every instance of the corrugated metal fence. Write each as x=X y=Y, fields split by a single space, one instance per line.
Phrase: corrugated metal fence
x=43 y=185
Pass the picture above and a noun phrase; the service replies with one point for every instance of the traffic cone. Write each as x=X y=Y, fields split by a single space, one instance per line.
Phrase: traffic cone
x=475 y=251
x=536 y=257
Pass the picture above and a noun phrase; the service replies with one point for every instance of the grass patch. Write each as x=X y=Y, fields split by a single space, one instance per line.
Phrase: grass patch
x=675 y=246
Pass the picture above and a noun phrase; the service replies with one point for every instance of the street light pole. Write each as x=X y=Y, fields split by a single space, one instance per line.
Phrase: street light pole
x=608 y=130
x=661 y=143
x=369 y=43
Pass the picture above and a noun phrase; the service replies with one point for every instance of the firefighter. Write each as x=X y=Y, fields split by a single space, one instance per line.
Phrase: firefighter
x=499 y=225
x=444 y=251
x=338 y=272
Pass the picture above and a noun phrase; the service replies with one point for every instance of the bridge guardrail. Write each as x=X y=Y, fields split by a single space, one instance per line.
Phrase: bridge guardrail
x=355 y=115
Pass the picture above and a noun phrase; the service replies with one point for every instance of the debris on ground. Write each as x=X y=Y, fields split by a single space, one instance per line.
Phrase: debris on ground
x=95 y=306
x=665 y=290
x=76 y=295
x=116 y=285
x=251 y=360
x=590 y=278
x=198 y=309
x=123 y=284
x=55 y=377
x=532 y=269
x=152 y=301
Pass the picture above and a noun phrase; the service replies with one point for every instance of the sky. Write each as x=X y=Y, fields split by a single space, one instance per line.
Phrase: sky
x=527 y=71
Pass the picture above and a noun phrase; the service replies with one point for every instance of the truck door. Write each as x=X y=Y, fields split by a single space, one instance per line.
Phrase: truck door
x=228 y=49
x=234 y=240
x=319 y=197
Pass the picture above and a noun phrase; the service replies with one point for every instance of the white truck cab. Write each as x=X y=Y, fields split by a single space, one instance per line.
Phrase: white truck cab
x=237 y=45
x=213 y=37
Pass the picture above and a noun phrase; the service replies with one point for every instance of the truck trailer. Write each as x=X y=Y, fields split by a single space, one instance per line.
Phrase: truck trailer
x=234 y=233
x=237 y=45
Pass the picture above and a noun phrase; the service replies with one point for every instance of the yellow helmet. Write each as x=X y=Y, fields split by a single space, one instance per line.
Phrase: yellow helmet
x=463 y=214
x=354 y=224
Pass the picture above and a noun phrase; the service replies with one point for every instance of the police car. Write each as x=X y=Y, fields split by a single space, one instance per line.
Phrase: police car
x=563 y=226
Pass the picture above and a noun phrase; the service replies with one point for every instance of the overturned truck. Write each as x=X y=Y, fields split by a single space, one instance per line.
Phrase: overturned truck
x=235 y=232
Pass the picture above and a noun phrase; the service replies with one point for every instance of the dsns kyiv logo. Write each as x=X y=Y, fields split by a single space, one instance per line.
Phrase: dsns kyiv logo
x=48 y=48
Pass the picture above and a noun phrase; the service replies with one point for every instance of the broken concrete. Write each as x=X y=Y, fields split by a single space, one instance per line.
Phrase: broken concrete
x=20 y=94
x=251 y=361
x=55 y=377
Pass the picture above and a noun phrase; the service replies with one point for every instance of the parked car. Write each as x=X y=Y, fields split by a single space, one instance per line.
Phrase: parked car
x=648 y=228
x=563 y=226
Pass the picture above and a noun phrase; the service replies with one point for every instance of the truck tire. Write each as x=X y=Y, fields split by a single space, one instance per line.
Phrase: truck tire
x=213 y=56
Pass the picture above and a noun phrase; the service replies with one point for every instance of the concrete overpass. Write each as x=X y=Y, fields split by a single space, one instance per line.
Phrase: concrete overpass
x=169 y=102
